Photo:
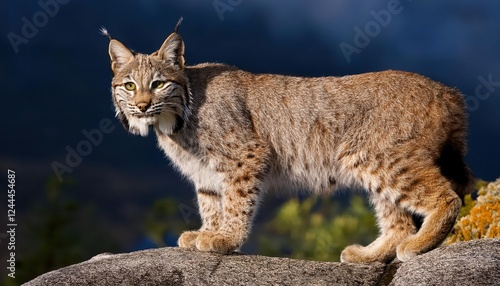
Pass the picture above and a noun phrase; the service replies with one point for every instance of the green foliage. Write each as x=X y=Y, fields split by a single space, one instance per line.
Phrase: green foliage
x=318 y=229
x=168 y=216
x=50 y=240
x=56 y=233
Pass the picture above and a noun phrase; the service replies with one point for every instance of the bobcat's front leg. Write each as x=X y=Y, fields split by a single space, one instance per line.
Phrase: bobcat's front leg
x=243 y=188
x=210 y=208
x=239 y=205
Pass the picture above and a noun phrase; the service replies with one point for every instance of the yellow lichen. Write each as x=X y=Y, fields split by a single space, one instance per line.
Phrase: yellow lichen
x=480 y=219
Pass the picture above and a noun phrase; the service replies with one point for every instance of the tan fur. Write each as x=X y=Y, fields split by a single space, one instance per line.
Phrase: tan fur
x=237 y=135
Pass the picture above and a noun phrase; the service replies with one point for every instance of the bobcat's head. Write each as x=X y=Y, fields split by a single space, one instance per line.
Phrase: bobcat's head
x=150 y=89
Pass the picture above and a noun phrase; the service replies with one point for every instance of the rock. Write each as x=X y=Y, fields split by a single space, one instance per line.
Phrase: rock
x=469 y=263
x=475 y=262
x=175 y=266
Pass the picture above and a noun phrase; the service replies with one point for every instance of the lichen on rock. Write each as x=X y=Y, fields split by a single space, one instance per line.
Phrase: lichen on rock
x=479 y=218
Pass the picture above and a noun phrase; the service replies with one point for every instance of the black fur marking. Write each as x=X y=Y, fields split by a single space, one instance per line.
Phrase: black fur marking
x=452 y=165
x=208 y=192
x=179 y=123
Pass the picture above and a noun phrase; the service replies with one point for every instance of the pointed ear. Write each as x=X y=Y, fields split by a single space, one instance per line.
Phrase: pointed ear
x=119 y=54
x=172 y=51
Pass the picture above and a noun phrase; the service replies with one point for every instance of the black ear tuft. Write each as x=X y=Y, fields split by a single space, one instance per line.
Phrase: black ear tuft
x=178 y=24
x=105 y=33
x=172 y=50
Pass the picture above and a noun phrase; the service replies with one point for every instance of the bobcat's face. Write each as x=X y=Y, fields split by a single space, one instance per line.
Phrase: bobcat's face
x=150 y=89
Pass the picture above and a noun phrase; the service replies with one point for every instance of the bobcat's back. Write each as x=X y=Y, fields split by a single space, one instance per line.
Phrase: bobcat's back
x=321 y=130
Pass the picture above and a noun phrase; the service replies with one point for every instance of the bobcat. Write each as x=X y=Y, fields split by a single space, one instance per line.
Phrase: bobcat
x=237 y=135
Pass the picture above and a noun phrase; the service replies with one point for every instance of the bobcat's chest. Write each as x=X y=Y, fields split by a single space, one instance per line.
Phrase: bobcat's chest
x=201 y=171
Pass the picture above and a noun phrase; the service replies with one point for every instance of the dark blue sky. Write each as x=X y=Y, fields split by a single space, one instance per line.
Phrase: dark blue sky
x=55 y=75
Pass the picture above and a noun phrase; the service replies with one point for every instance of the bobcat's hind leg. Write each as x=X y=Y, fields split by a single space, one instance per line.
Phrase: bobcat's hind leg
x=395 y=224
x=210 y=208
x=433 y=198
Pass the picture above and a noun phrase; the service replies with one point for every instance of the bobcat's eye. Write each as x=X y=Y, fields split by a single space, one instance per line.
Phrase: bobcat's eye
x=157 y=84
x=130 y=86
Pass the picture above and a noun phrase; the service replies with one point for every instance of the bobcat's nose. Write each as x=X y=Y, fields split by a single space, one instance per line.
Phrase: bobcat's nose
x=143 y=105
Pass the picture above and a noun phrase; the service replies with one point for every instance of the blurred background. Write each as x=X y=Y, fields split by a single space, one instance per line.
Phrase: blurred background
x=77 y=197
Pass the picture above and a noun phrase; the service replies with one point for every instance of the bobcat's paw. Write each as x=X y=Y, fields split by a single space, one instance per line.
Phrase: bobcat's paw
x=216 y=242
x=408 y=249
x=188 y=239
x=353 y=254
x=365 y=254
